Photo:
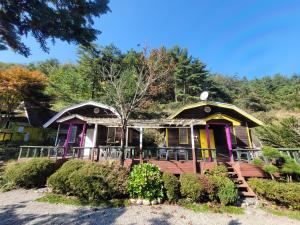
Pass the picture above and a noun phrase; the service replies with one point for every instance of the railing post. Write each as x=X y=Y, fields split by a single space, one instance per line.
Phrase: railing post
x=20 y=153
x=27 y=154
x=141 y=145
x=42 y=152
x=34 y=152
x=49 y=152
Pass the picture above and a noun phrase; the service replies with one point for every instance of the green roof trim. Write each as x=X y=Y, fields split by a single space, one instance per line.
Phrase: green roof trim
x=217 y=104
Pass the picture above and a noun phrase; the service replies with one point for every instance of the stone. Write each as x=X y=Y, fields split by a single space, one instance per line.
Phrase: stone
x=146 y=202
x=154 y=202
x=139 y=201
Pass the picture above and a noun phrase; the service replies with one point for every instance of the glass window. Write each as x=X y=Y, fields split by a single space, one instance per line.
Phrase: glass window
x=183 y=136
x=111 y=135
x=72 y=138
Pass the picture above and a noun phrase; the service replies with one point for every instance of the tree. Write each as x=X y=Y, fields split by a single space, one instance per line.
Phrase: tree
x=69 y=21
x=126 y=87
x=67 y=86
x=19 y=84
x=91 y=61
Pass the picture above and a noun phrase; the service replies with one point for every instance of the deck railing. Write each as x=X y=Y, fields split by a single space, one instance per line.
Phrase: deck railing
x=40 y=151
x=294 y=153
x=241 y=154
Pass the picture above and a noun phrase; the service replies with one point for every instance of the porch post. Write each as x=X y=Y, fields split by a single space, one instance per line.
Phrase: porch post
x=229 y=144
x=208 y=142
x=67 y=139
x=95 y=135
x=57 y=134
x=249 y=136
x=141 y=145
x=193 y=149
x=83 y=135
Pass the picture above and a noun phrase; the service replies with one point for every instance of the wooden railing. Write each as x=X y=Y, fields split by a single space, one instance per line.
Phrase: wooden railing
x=240 y=154
x=40 y=151
x=292 y=152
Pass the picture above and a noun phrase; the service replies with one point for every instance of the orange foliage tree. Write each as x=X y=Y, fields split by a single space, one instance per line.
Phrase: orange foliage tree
x=16 y=84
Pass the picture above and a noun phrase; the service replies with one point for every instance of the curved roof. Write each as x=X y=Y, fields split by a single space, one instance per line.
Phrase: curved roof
x=217 y=104
x=92 y=103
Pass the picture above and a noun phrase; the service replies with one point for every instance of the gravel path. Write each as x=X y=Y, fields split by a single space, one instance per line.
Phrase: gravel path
x=19 y=207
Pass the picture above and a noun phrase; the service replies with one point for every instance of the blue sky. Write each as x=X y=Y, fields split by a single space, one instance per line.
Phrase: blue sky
x=247 y=38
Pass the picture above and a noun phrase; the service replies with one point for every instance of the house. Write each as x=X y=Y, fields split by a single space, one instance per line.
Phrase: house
x=86 y=126
x=25 y=124
x=221 y=128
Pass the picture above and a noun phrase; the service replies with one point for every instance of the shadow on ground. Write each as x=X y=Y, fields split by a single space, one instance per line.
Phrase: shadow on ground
x=84 y=215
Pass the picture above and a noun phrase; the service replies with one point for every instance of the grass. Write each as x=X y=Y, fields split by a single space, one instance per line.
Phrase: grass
x=61 y=199
x=212 y=208
x=283 y=212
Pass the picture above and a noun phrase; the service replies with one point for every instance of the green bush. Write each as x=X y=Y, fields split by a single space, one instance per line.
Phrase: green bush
x=29 y=174
x=172 y=186
x=258 y=162
x=286 y=194
x=145 y=181
x=222 y=189
x=59 y=181
x=90 y=181
x=271 y=153
x=270 y=169
x=290 y=168
x=190 y=187
x=219 y=170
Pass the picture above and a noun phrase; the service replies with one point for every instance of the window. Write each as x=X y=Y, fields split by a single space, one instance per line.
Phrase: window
x=183 y=136
x=72 y=138
x=111 y=135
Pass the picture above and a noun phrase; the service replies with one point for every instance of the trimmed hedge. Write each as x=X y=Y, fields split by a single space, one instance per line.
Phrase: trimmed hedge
x=221 y=189
x=172 y=186
x=191 y=187
x=90 y=181
x=59 y=181
x=145 y=181
x=29 y=174
x=286 y=194
x=219 y=170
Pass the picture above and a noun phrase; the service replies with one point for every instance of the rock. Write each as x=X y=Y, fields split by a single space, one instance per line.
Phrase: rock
x=139 y=201
x=154 y=202
x=146 y=202
x=159 y=200
x=132 y=201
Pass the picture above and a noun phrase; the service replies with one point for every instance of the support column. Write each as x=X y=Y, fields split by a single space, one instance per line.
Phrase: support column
x=208 y=142
x=67 y=139
x=83 y=133
x=249 y=136
x=141 y=145
x=126 y=144
x=194 y=155
x=94 y=141
x=229 y=143
x=57 y=134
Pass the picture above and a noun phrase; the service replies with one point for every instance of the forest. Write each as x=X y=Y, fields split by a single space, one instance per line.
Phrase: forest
x=275 y=99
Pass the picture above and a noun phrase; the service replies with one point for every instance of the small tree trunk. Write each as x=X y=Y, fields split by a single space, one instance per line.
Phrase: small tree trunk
x=123 y=141
x=272 y=177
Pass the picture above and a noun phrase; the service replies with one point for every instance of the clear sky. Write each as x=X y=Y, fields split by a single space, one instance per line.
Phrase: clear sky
x=244 y=37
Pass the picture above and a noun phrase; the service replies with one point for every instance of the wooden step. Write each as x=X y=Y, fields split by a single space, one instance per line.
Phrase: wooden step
x=247 y=194
x=243 y=185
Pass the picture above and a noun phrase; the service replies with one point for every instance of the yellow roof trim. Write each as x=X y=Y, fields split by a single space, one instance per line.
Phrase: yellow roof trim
x=220 y=116
x=218 y=104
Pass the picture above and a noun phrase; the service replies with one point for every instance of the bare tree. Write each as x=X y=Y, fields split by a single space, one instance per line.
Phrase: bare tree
x=127 y=87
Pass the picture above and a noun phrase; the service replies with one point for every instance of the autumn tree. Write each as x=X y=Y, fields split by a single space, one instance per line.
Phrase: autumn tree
x=19 y=84
x=69 y=21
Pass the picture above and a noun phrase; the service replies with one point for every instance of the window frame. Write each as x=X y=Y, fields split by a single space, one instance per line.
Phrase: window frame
x=186 y=136
x=72 y=139
x=114 y=135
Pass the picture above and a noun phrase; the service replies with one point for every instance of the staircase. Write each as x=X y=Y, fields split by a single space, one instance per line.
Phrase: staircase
x=234 y=174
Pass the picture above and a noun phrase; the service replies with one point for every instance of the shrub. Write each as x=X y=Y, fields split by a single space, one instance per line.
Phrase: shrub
x=219 y=170
x=172 y=186
x=145 y=181
x=90 y=181
x=191 y=187
x=270 y=169
x=59 y=181
x=222 y=189
x=258 y=162
x=33 y=173
x=286 y=194
x=271 y=153
x=290 y=168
